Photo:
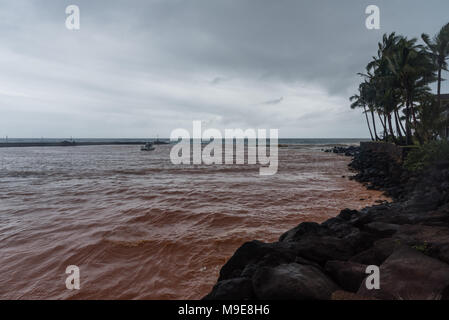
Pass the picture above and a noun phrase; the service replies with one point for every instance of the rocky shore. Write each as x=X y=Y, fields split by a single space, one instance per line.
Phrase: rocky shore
x=407 y=238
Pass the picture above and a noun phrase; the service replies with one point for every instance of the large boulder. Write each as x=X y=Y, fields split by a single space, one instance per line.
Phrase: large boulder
x=409 y=274
x=382 y=229
x=348 y=275
x=254 y=254
x=378 y=253
x=323 y=248
x=339 y=228
x=304 y=228
x=232 y=289
x=420 y=234
x=292 y=282
x=348 y=214
x=441 y=252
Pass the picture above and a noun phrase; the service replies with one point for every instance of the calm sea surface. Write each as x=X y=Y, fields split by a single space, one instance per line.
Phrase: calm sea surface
x=140 y=227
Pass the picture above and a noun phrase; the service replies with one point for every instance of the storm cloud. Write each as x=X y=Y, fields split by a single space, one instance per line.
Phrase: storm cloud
x=144 y=68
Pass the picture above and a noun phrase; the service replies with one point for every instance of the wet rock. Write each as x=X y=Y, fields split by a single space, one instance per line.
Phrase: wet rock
x=322 y=248
x=348 y=275
x=378 y=253
x=302 y=229
x=418 y=234
x=441 y=252
x=340 y=228
x=409 y=274
x=382 y=229
x=347 y=151
x=348 y=214
x=258 y=254
x=233 y=289
x=305 y=262
x=292 y=282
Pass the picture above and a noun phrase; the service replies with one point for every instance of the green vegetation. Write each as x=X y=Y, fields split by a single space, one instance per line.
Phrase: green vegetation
x=395 y=89
x=427 y=154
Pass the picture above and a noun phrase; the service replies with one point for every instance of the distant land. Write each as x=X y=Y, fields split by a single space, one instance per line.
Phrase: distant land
x=64 y=142
x=53 y=142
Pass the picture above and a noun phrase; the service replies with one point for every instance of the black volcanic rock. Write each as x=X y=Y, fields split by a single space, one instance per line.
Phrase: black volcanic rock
x=349 y=275
x=296 y=233
x=410 y=275
x=347 y=151
x=323 y=248
x=232 y=289
x=256 y=254
x=382 y=228
x=408 y=239
x=378 y=253
x=348 y=214
x=292 y=281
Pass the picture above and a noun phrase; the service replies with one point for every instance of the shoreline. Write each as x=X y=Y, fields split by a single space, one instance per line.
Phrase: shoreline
x=406 y=238
x=67 y=143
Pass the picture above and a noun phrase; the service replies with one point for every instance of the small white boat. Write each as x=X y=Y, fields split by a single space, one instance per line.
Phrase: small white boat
x=147 y=147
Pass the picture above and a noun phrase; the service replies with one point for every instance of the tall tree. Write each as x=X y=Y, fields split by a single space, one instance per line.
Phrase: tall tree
x=414 y=70
x=359 y=102
x=385 y=83
x=438 y=48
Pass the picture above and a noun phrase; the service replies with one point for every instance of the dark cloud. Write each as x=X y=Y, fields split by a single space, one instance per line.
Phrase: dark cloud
x=139 y=68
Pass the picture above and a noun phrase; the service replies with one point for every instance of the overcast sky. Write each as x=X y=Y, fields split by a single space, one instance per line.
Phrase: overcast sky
x=144 y=68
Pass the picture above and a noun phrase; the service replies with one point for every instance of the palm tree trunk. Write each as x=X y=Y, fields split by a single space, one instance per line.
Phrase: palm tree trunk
x=381 y=121
x=374 y=124
x=408 y=131
x=439 y=86
x=367 y=122
x=398 y=128
x=400 y=122
x=391 y=128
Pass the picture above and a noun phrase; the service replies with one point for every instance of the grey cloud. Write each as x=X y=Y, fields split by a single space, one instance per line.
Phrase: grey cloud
x=218 y=80
x=173 y=61
x=273 y=102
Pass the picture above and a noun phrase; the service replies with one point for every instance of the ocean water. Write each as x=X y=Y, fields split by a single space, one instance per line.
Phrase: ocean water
x=292 y=141
x=139 y=227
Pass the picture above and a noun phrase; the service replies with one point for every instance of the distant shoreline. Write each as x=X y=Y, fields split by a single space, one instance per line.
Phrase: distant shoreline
x=67 y=144
x=29 y=142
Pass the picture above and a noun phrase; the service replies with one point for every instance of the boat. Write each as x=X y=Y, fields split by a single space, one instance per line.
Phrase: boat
x=147 y=147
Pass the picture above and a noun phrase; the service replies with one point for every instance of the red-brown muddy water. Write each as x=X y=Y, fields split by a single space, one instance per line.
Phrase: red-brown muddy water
x=140 y=227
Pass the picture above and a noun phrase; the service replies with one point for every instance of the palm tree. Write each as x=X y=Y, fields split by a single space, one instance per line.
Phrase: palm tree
x=368 y=91
x=438 y=48
x=369 y=96
x=358 y=101
x=413 y=69
x=398 y=79
x=385 y=83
